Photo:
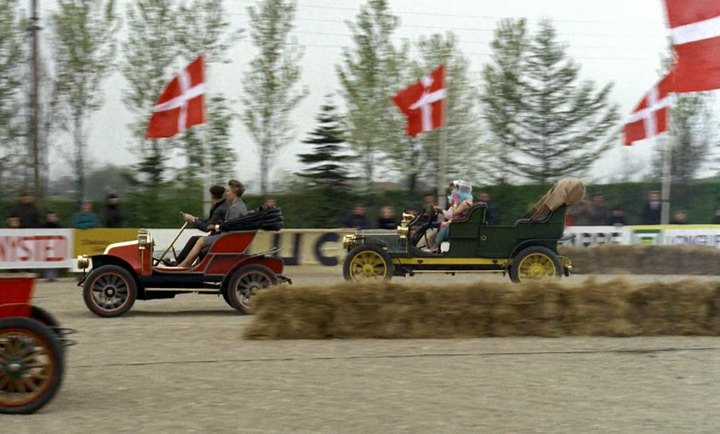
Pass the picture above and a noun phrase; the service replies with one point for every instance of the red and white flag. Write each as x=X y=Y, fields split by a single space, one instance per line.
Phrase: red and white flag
x=695 y=33
x=181 y=104
x=650 y=116
x=422 y=102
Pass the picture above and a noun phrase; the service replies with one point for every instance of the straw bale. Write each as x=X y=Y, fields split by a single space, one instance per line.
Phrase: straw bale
x=546 y=308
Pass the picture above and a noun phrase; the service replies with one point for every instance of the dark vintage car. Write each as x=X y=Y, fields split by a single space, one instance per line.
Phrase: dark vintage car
x=32 y=348
x=130 y=271
x=526 y=249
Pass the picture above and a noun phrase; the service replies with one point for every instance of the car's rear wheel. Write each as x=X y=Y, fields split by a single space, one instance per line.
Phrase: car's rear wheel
x=109 y=291
x=367 y=264
x=535 y=263
x=31 y=365
x=246 y=282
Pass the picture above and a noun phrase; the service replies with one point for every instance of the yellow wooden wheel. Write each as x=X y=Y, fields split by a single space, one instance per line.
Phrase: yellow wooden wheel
x=367 y=264
x=535 y=263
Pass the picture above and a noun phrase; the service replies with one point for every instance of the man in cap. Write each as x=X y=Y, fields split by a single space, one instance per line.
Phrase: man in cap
x=217 y=214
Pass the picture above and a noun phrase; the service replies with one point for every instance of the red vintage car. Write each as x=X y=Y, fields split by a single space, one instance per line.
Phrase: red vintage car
x=32 y=348
x=129 y=271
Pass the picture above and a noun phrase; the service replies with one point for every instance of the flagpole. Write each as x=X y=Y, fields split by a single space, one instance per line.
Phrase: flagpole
x=442 y=160
x=207 y=176
x=667 y=176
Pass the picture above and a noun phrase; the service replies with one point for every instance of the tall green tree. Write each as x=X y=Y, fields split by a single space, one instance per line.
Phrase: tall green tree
x=271 y=86
x=691 y=137
x=370 y=73
x=84 y=50
x=461 y=132
x=12 y=75
x=548 y=122
x=203 y=28
x=150 y=51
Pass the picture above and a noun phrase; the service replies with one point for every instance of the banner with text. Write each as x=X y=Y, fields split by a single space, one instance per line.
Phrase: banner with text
x=35 y=248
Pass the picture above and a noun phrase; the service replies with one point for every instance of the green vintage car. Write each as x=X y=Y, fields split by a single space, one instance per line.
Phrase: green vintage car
x=525 y=250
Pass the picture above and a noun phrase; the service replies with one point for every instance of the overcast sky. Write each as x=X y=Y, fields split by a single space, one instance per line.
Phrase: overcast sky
x=618 y=41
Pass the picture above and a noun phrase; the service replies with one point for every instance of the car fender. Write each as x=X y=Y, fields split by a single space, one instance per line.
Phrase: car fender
x=549 y=243
x=102 y=260
x=274 y=264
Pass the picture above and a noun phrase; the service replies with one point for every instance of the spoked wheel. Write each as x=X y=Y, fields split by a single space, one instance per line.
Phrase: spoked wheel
x=43 y=316
x=31 y=365
x=109 y=291
x=535 y=263
x=246 y=283
x=367 y=264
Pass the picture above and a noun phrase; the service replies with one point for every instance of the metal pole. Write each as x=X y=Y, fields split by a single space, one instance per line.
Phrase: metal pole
x=667 y=177
x=442 y=160
x=33 y=135
x=207 y=176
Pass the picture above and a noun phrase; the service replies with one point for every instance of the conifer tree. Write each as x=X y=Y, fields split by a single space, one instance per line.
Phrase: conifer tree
x=326 y=168
x=547 y=123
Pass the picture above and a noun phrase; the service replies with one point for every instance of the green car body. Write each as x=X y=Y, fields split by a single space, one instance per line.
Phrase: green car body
x=526 y=249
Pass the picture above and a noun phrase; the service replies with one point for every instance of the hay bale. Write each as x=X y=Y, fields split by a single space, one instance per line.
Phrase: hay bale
x=547 y=308
x=680 y=308
x=598 y=309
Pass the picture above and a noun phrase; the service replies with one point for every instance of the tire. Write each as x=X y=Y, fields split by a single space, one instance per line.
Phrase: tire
x=31 y=365
x=43 y=316
x=534 y=263
x=246 y=282
x=367 y=264
x=109 y=291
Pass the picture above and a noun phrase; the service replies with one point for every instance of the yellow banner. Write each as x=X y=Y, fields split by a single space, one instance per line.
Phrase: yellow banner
x=93 y=241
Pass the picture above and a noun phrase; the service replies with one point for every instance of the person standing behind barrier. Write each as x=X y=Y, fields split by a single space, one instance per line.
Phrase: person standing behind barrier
x=679 y=218
x=386 y=220
x=26 y=211
x=51 y=222
x=356 y=218
x=617 y=217
x=85 y=218
x=599 y=213
x=716 y=217
x=113 y=216
x=491 y=212
x=652 y=210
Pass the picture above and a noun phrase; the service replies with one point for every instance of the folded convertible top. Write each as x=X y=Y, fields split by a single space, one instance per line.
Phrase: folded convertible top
x=268 y=219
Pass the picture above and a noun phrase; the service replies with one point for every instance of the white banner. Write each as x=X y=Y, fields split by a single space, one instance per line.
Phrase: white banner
x=35 y=248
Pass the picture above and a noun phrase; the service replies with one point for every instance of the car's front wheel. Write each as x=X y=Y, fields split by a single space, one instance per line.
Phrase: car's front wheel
x=109 y=291
x=535 y=263
x=367 y=264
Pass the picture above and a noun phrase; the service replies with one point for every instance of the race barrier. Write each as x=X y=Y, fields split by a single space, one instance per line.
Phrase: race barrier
x=58 y=248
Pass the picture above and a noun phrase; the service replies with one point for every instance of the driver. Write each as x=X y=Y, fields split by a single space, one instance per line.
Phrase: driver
x=217 y=214
x=237 y=208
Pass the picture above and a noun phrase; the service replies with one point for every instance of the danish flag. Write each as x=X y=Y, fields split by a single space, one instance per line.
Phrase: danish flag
x=181 y=105
x=650 y=115
x=695 y=33
x=422 y=102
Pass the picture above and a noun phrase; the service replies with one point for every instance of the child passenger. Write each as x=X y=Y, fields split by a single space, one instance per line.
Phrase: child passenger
x=460 y=201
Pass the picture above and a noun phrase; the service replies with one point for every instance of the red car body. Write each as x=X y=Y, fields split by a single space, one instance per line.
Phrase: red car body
x=128 y=271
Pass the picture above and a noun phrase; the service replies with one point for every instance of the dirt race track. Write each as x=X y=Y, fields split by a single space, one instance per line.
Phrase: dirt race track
x=180 y=365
